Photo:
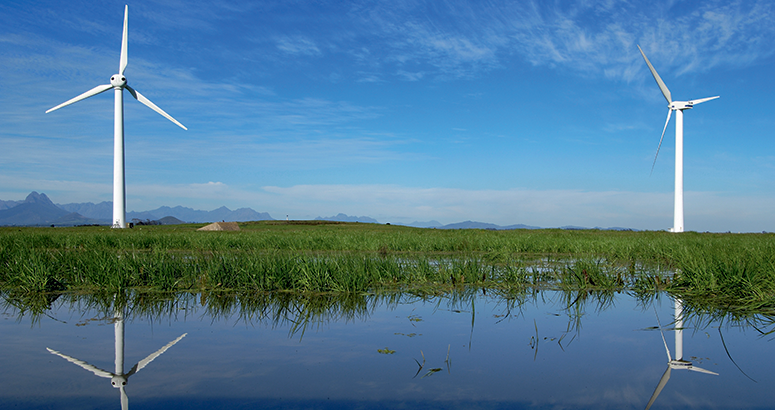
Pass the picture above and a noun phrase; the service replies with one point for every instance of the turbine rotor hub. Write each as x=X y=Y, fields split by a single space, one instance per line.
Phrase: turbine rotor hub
x=118 y=80
x=118 y=381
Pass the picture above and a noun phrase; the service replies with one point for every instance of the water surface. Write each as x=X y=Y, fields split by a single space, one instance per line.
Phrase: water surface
x=467 y=350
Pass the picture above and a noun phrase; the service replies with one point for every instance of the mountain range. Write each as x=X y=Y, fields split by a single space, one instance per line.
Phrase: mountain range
x=38 y=210
x=346 y=218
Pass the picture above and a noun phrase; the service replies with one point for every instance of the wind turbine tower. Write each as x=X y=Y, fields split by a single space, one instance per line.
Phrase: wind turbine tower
x=118 y=83
x=678 y=107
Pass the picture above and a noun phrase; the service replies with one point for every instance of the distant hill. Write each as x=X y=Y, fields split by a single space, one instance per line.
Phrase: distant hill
x=75 y=219
x=469 y=225
x=9 y=204
x=36 y=209
x=581 y=228
x=345 y=218
x=482 y=225
x=458 y=225
x=572 y=228
x=102 y=210
x=615 y=228
x=170 y=220
x=428 y=224
x=191 y=215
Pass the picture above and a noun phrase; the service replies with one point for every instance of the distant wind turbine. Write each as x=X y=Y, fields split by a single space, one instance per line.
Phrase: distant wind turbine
x=118 y=83
x=678 y=107
x=118 y=378
x=679 y=362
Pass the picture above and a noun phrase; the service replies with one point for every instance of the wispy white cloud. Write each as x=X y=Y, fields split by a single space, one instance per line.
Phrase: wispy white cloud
x=258 y=155
x=411 y=76
x=715 y=33
x=297 y=45
x=590 y=38
x=364 y=77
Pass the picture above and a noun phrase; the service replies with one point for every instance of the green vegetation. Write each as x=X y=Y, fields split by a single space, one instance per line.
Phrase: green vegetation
x=732 y=270
x=303 y=311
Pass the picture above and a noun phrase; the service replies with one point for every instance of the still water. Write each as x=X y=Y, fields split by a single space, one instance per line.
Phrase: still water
x=467 y=350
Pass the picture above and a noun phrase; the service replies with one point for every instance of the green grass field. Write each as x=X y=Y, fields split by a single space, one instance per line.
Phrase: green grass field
x=734 y=270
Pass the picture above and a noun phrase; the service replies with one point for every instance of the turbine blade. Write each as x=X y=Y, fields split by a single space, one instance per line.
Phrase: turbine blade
x=81 y=363
x=669 y=113
x=122 y=64
x=149 y=104
x=669 y=359
x=124 y=399
x=697 y=369
x=142 y=363
x=660 y=386
x=94 y=91
x=660 y=83
x=702 y=100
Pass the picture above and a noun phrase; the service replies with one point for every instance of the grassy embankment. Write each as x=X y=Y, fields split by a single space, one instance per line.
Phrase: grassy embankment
x=728 y=269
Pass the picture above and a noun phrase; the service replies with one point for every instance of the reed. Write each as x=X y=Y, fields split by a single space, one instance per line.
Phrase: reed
x=732 y=269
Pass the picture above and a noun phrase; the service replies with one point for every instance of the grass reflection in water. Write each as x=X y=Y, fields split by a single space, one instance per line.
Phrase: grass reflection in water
x=461 y=324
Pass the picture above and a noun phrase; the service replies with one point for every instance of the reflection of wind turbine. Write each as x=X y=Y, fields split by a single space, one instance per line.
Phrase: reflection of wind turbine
x=678 y=107
x=678 y=363
x=118 y=83
x=119 y=379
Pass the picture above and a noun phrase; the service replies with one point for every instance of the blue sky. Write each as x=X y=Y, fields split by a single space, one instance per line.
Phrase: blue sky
x=540 y=113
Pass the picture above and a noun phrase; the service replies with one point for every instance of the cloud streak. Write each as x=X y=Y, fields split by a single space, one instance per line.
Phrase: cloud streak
x=590 y=38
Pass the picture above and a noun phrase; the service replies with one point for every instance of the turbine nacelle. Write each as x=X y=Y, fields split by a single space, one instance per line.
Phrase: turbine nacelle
x=118 y=80
x=681 y=105
x=688 y=105
x=118 y=381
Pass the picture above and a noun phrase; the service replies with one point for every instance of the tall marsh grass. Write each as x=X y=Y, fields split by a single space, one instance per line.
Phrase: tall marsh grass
x=730 y=269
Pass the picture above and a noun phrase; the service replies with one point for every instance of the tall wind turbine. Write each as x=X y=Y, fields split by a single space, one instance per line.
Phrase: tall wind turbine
x=118 y=83
x=118 y=379
x=678 y=107
x=678 y=363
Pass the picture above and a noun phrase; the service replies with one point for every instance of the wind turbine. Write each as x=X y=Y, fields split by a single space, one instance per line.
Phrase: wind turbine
x=678 y=363
x=118 y=378
x=678 y=107
x=118 y=83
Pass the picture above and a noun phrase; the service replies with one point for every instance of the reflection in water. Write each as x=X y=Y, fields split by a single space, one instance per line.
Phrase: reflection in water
x=118 y=378
x=678 y=363
x=290 y=350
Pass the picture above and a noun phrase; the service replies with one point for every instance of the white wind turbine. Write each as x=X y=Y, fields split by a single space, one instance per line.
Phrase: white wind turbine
x=678 y=107
x=118 y=379
x=118 y=83
x=678 y=363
